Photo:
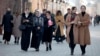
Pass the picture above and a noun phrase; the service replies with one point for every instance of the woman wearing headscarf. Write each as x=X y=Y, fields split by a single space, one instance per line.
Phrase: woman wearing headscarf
x=38 y=23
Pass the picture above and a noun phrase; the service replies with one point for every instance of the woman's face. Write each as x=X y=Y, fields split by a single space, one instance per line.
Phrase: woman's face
x=27 y=11
x=83 y=9
x=37 y=13
x=75 y=10
x=48 y=15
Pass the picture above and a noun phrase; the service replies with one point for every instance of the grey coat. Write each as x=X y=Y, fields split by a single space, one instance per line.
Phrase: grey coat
x=17 y=22
x=38 y=21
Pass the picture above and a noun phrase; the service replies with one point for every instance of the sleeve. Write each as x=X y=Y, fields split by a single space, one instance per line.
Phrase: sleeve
x=68 y=20
x=63 y=21
x=12 y=19
x=3 y=20
x=21 y=19
x=54 y=24
x=31 y=20
x=77 y=19
x=56 y=20
x=87 y=21
x=42 y=21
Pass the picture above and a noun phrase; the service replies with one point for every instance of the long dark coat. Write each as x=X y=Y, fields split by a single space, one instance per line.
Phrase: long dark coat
x=7 y=22
x=8 y=25
x=37 y=33
x=48 y=31
x=16 y=30
x=25 y=40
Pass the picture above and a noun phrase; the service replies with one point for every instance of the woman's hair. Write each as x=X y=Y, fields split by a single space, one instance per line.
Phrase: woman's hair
x=73 y=8
x=44 y=10
x=48 y=12
x=58 y=13
x=68 y=9
x=83 y=6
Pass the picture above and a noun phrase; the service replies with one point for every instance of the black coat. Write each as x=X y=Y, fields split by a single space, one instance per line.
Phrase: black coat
x=7 y=22
x=46 y=23
x=30 y=18
x=48 y=31
x=25 y=40
x=65 y=16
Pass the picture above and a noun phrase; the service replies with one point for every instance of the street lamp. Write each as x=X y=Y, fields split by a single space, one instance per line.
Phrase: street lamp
x=57 y=3
x=52 y=5
x=38 y=4
x=46 y=4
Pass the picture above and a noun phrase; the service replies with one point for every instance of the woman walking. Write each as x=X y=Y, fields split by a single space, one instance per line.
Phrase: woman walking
x=48 y=30
x=8 y=26
x=84 y=34
x=26 y=27
x=38 y=23
x=72 y=29
x=16 y=31
x=60 y=26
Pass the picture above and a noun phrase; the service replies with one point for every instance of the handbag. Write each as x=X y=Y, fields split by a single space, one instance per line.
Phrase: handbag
x=22 y=27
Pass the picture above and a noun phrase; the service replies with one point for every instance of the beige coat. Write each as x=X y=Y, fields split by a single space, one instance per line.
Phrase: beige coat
x=75 y=28
x=84 y=34
x=60 y=24
x=17 y=22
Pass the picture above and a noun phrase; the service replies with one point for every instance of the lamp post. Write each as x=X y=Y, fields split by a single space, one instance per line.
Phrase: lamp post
x=57 y=4
x=38 y=4
x=46 y=4
x=52 y=5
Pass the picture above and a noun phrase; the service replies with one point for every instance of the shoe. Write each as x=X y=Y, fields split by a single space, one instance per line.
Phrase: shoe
x=15 y=42
x=46 y=48
x=5 y=42
x=37 y=50
x=24 y=50
x=72 y=51
x=50 y=48
x=83 y=53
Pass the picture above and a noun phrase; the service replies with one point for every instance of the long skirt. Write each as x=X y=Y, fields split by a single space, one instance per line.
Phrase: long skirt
x=48 y=35
x=7 y=35
x=71 y=35
x=25 y=40
x=58 y=37
x=36 y=38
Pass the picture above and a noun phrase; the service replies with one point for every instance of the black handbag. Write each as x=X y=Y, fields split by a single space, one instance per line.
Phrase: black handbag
x=22 y=27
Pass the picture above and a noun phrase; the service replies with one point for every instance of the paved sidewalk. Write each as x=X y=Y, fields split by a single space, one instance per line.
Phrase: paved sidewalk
x=61 y=49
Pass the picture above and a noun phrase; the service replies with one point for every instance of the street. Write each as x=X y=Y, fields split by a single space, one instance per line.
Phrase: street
x=61 y=49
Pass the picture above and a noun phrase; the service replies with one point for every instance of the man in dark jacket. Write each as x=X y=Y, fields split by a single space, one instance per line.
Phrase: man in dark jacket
x=68 y=12
x=8 y=25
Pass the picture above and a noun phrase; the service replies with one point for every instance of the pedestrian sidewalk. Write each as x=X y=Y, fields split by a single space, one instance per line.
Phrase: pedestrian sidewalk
x=61 y=49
